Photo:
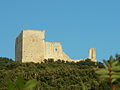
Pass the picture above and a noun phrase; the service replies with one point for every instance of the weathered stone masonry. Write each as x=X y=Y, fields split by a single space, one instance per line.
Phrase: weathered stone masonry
x=31 y=47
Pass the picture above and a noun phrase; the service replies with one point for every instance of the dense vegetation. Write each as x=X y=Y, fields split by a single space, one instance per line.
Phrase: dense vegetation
x=54 y=75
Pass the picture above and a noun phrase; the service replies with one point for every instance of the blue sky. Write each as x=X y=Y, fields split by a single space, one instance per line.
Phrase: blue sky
x=77 y=24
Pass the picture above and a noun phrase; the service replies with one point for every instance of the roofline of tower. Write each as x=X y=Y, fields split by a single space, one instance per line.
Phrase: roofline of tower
x=53 y=42
x=32 y=30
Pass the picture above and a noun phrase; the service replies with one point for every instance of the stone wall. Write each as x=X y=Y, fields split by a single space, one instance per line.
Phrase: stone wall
x=18 y=47
x=53 y=50
x=31 y=47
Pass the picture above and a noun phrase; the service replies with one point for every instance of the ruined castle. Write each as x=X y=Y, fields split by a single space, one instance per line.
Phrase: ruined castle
x=30 y=46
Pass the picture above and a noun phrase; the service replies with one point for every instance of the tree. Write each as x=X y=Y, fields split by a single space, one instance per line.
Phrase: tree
x=111 y=72
x=20 y=84
x=50 y=75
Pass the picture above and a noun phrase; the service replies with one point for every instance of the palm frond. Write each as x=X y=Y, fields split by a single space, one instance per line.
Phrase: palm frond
x=116 y=76
x=102 y=71
x=20 y=82
x=115 y=73
x=106 y=64
x=111 y=59
x=30 y=84
x=116 y=68
x=114 y=63
x=113 y=80
x=10 y=85
x=104 y=76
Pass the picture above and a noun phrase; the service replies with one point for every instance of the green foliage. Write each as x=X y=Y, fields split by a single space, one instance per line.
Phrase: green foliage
x=83 y=86
x=20 y=84
x=30 y=85
x=51 y=75
x=4 y=62
x=111 y=71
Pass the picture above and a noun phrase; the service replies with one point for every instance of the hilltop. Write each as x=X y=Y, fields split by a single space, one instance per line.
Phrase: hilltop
x=52 y=75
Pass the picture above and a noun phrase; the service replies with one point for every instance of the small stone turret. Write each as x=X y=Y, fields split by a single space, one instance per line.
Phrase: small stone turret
x=92 y=54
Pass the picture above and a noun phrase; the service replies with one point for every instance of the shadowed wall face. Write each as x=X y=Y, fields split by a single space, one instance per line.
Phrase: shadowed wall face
x=18 y=47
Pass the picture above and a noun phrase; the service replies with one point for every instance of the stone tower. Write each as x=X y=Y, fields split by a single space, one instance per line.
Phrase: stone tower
x=92 y=54
x=30 y=46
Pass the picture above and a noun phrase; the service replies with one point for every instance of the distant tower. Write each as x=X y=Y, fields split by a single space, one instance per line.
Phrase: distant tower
x=29 y=46
x=92 y=54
